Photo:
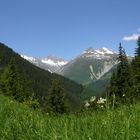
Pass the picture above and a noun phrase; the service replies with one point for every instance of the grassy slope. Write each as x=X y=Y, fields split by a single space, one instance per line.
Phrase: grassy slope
x=18 y=122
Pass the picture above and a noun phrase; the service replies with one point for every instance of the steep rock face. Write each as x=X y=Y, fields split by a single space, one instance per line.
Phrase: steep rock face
x=89 y=66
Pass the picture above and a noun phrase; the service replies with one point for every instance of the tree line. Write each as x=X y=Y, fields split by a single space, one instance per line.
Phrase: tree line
x=125 y=81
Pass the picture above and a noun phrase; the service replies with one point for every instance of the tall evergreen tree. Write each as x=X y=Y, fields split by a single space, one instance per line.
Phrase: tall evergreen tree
x=113 y=85
x=13 y=84
x=136 y=71
x=56 y=99
x=123 y=73
x=9 y=80
x=120 y=81
x=138 y=48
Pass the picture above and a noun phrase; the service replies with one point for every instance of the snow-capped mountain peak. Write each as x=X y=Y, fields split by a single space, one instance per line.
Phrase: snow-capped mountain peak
x=31 y=59
x=50 y=63
x=53 y=60
x=106 y=51
x=97 y=53
x=89 y=50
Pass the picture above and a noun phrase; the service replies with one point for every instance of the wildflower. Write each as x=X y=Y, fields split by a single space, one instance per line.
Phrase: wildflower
x=89 y=138
x=87 y=104
x=92 y=99
x=101 y=101
x=102 y=106
x=47 y=113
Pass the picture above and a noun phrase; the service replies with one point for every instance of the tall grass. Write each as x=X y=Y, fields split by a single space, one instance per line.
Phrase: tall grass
x=18 y=122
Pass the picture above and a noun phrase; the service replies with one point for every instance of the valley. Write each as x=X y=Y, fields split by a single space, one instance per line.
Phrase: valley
x=92 y=68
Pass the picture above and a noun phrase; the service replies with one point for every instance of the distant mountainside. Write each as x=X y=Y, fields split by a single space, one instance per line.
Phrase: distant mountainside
x=50 y=63
x=93 y=69
x=40 y=79
x=89 y=66
x=98 y=87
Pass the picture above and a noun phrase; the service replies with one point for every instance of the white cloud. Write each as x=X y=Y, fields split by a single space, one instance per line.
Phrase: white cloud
x=133 y=37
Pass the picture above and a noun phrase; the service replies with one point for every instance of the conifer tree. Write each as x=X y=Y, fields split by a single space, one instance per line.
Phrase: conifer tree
x=113 y=84
x=120 y=81
x=123 y=73
x=56 y=99
x=138 y=48
x=9 y=80
x=13 y=84
x=136 y=71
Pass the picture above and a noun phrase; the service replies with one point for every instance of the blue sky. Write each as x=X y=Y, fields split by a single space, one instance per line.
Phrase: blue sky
x=67 y=27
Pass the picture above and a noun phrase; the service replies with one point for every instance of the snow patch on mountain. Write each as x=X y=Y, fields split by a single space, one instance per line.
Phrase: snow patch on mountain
x=51 y=62
x=31 y=59
x=54 y=61
x=98 y=53
x=108 y=51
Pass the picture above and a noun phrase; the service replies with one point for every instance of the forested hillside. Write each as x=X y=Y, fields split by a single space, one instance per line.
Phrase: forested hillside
x=39 y=80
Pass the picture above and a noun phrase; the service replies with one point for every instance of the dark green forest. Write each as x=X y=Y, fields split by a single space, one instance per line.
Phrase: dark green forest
x=21 y=78
x=125 y=81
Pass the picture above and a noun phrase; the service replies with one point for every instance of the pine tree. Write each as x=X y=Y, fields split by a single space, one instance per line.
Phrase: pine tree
x=136 y=71
x=113 y=84
x=56 y=99
x=138 y=48
x=123 y=73
x=9 y=80
x=13 y=84
x=120 y=81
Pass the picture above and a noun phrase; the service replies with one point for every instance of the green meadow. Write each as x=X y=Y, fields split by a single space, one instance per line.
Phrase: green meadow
x=19 y=122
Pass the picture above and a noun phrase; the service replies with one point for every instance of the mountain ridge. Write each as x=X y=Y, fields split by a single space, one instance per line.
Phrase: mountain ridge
x=50 y=63
x=53 y=63
x=89 y=69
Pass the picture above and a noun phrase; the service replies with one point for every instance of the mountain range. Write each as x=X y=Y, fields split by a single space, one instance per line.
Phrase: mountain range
x=58 y=65
x=92 y=68
x=50 y=63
